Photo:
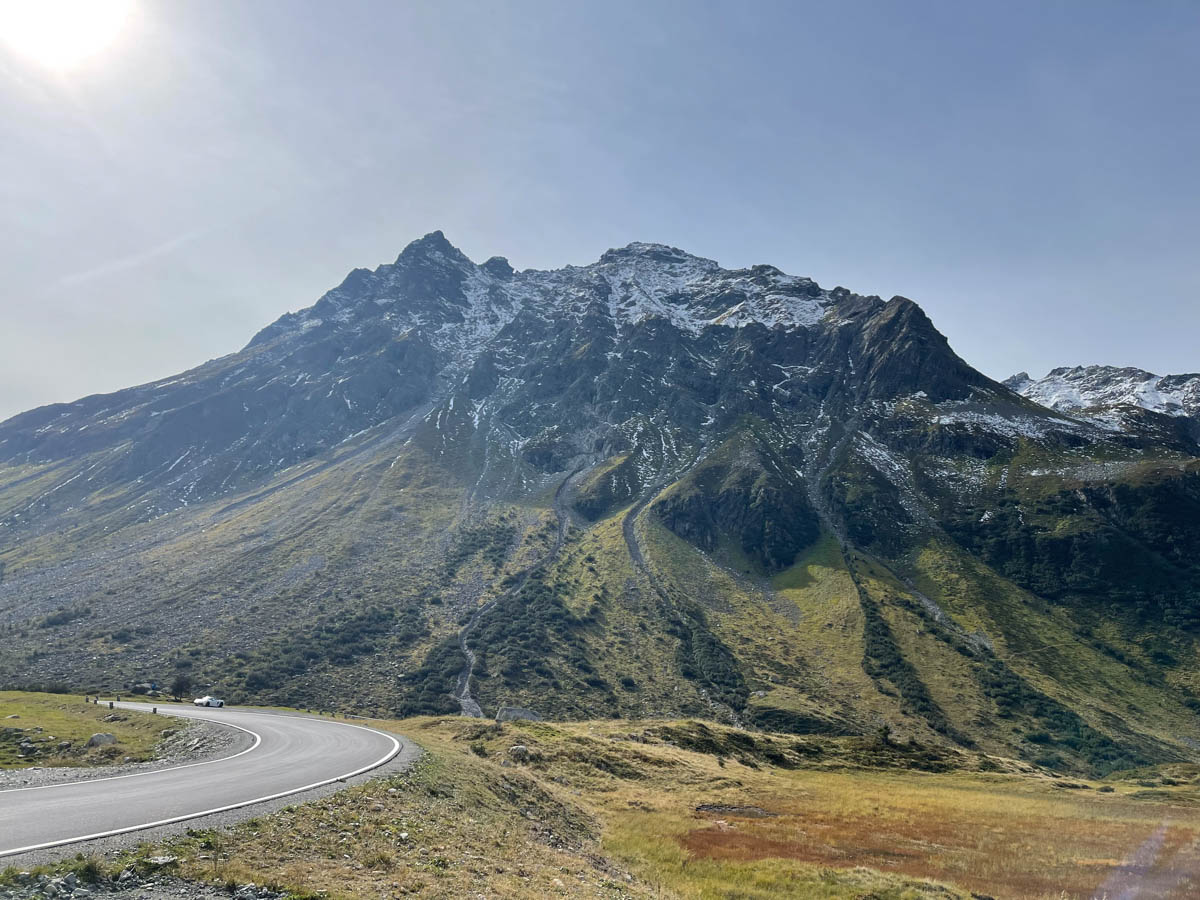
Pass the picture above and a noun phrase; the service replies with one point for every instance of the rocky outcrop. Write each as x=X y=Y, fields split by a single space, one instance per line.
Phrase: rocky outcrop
x=516 y=714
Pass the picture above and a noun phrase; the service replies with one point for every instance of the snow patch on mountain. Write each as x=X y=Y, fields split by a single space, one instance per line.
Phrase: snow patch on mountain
x=695 y=293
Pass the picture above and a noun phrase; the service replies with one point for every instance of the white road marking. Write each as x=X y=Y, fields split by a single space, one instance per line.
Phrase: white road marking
x=43 y=787
x=396 y=745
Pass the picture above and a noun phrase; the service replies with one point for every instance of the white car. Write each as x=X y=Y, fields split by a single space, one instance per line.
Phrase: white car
x=207 y=701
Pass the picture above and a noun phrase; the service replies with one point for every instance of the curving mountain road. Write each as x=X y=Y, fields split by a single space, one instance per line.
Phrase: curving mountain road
x=290 y=753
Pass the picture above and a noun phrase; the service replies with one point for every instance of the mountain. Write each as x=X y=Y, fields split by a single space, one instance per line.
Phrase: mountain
x=647 y=486
x=1102 y=391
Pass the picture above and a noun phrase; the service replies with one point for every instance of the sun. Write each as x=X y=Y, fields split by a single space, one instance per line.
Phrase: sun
x=61 y=34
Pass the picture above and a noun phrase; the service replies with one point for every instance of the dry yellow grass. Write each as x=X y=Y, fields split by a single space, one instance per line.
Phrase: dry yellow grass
x=1008 y=835
x=683 y=809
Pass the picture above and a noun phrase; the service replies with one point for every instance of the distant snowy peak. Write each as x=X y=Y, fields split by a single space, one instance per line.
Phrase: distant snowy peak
x=434 y=287
x=1089 y=387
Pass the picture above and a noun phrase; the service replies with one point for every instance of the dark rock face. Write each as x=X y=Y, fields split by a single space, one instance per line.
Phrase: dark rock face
x=903 y=353
x=1131 y=547
x=769 y=515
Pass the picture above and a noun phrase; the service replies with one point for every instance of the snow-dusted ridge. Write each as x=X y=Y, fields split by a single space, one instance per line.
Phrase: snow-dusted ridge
x=1095 y=387
x=468 y=304
x=526 y=369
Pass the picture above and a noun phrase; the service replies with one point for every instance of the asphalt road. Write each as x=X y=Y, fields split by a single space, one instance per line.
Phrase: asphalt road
x=290 y=754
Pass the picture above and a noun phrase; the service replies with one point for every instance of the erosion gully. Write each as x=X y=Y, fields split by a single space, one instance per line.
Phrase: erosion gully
x=462 y=691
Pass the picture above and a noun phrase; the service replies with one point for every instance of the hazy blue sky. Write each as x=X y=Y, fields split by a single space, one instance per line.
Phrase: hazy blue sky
x=1028 y=172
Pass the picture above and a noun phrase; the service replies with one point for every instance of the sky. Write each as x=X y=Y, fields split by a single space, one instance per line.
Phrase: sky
x=1028 y=171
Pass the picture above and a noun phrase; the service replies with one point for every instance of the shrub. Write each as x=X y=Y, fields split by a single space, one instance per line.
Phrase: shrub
x=180 y=685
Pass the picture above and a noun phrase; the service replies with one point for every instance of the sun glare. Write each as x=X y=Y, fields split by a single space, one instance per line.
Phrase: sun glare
x=61 y=34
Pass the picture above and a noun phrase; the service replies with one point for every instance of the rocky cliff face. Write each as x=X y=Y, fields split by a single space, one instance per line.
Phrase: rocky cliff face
x=649 y=485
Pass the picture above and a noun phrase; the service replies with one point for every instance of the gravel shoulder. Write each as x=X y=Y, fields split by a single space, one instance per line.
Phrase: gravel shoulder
x=152 y=886
x=198 y=741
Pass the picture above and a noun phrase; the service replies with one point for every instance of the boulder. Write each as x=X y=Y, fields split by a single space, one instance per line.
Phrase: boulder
x=101 y=739
x=515 y=713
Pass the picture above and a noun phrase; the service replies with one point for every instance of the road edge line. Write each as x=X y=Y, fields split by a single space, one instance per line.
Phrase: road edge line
x=257 y=740
x=391 y=754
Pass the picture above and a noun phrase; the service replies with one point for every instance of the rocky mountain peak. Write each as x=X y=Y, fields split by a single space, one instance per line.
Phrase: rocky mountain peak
x=642 y=250
x=432 y=247
x=498 y=267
